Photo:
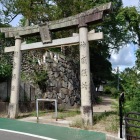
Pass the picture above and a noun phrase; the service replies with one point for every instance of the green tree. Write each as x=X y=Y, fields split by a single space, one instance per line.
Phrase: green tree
x=33 y=10
x=138 y=59
x=129 y=19
x=131 y=87
x=100 y=66
x=5 y=59
x=5 y=68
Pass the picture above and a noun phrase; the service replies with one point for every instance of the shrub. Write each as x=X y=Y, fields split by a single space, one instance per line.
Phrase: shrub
x=114 y=92
x=111 y=91
x=107 y=90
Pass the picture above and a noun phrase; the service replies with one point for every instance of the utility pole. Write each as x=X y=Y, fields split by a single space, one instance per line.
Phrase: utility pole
x=118 y=80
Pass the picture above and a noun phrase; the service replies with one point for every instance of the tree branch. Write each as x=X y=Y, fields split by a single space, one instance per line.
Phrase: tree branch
x=12 y=19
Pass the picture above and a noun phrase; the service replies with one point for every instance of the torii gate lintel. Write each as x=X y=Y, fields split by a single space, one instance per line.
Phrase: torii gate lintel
x=74 y=40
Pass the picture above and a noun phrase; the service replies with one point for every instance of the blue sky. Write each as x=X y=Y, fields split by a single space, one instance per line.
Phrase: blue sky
x=131 y=2
x=126 y=56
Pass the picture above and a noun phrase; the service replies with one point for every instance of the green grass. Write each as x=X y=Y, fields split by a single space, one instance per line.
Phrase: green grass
x=98 y=100
x=62 y=114
x=66 y=113
x=33 y=114
x=102 y=116
x=78 y=123
x=134 y=131
x=113 y=123
x=108 y=120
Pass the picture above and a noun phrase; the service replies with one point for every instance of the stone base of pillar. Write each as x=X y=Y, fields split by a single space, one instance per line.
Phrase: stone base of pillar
x=87 y=115
x=13 y=110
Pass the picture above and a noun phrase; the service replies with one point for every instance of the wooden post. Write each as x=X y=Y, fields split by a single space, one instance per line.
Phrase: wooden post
x=14 y=98
x=86 y=105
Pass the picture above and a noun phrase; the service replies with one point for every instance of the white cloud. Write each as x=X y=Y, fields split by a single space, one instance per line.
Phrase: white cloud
x=130 y=3
x=124 y=58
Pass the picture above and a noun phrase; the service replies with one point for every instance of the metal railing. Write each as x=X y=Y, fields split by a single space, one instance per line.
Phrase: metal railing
x=130 y=122
x=44 y=100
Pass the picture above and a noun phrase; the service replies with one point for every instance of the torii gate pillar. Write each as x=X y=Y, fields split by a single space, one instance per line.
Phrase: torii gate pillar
x=14 y=98
x=86 y=104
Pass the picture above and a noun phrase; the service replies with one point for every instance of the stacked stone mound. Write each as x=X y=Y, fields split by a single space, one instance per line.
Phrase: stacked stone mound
x=63 y=81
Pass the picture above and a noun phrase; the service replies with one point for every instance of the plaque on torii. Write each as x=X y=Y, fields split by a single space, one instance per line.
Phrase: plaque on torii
x=81 y=20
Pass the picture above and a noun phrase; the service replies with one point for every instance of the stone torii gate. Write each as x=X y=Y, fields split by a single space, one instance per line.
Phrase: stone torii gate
x=81 y=20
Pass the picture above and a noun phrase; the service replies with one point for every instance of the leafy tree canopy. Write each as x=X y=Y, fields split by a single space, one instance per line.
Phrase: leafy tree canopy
x=131 y=86
x=129 y=19
x=5 y=59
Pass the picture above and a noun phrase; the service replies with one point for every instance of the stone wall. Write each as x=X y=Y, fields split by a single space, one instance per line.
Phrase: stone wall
x=27 y=96
x=27 y=92
x=5 y=88
x=23 y=106
x=4 y=107
x=63 y=81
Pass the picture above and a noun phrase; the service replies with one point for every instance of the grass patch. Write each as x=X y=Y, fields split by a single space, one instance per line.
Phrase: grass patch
x=107 y=121
x=67 y=113
x=98 y=100
x=33 y=114
x=62 y=114
x=113 y=124
x=78 y=123
x=134 y=131
x=102 y=116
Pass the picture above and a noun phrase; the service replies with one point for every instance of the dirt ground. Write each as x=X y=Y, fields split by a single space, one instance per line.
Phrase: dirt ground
x=105 y=105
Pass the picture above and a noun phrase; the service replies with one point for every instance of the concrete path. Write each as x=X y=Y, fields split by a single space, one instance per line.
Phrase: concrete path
x=30 y=130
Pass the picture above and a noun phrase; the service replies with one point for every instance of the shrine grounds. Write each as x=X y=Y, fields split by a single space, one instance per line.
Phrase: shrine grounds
x=105 y=121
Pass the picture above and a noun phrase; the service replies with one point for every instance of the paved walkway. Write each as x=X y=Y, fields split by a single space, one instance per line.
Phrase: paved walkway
x=48 y=131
